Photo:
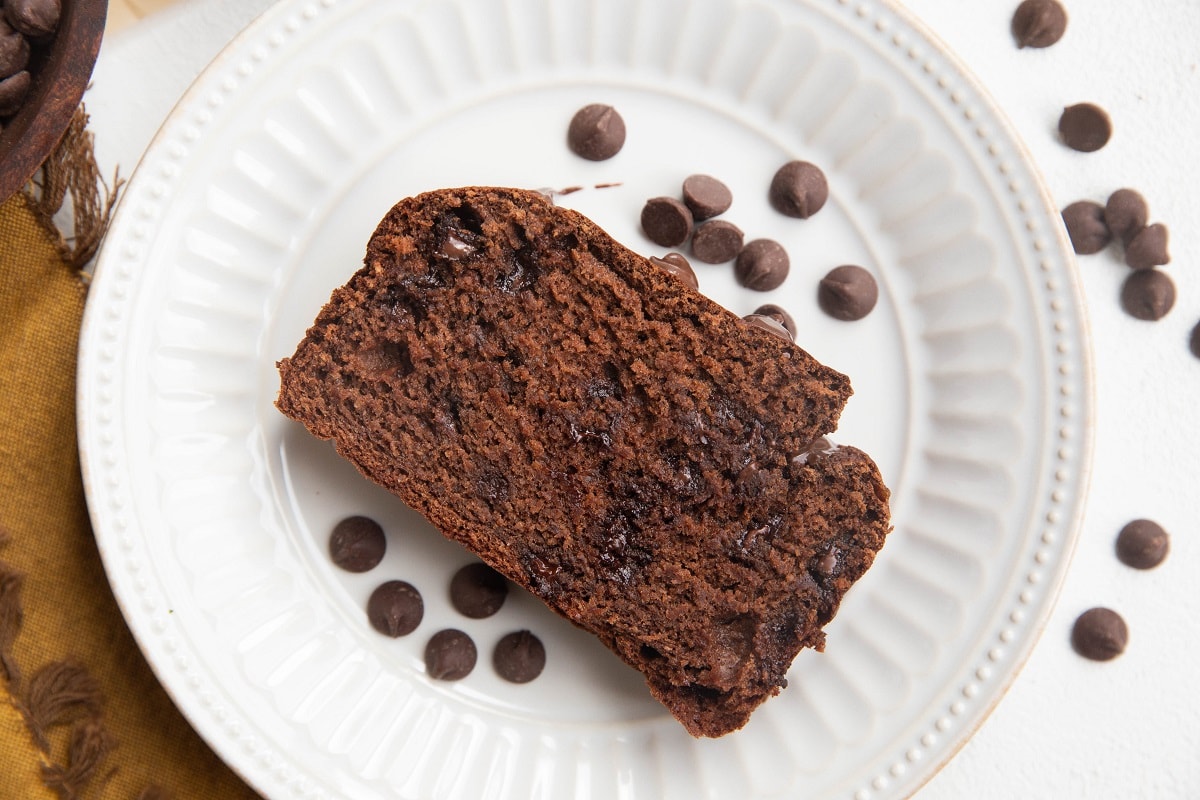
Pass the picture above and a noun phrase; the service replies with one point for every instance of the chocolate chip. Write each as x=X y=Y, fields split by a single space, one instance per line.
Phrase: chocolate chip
x=666 y=221
x=1085 y=127
x=1039 y=23
x=1099 y=634
x=1194 y=342
x=1126 y=213
x=14 y=50
x=450 y=655
x=706 y=196
x=13 y=90
x=770 y=325
x=478 y=591
x=779 y=315
x=798 y=189
x=519 y=657
x=357 y=544
x=762 y=265
x=34 y=18
x=1148 y=294
x=1142 y=544
x=596 y=132
x=1086 y=227
x=847 y=293
x=395 y=608
x=1148 y=249
x=717 y=241
x=679 y=267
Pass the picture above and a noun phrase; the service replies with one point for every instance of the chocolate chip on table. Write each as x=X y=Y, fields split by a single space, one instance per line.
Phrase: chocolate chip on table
x=1039 y=23
x=678 y=266
x=779 y=315
x=519 y=657
x=1085 y=127
x=1148 y=294
x=717 y=241
x=596 y=132
x=34 y=18
x=1194 y=342
x=1148 y=249
x=706 y=196
x=477 y=591
x=666 y=221
x=762 y=265
x=450 y=655
x=798 y=189
x=357 y=544
x=848 y=293
x=14 y=50
x=1142 y=544
x=1099 y=634
x=770 y=325
x=1086 y=227
x=1126 y=213
x=395 y=608
x=13 y=90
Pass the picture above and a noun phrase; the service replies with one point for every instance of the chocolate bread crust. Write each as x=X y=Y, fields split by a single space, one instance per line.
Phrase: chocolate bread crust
x=624 y=448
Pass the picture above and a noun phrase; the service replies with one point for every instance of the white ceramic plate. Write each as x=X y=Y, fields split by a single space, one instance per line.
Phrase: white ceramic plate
x=256 y=199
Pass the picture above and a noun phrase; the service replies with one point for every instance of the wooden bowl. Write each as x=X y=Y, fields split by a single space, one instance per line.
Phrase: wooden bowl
x=60 y=71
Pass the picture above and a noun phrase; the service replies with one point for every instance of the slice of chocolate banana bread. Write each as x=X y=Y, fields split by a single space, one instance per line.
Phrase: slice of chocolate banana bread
x=636 y=456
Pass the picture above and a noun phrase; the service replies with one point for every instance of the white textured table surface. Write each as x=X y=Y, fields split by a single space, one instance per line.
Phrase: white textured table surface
x=1068 y=728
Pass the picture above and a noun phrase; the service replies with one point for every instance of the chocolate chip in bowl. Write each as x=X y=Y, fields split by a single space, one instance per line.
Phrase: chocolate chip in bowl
x=38 y=100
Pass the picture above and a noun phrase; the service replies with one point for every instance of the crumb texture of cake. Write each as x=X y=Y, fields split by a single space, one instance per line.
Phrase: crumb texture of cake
x=618 y=444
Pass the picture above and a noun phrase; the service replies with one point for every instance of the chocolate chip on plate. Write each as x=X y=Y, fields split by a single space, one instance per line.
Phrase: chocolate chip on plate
x=666 y=221
x=596 y=132
x=1126 y=213
x=762 y=265
x=1148 y=294
x=1085 y=127
x=778 y=314
x=357 y=544
x=1086 y=227
x=478 y=591
x=1039 y=23
x=848 y=293
x=798 y=189
x=770 y=325
x=1148 y=249
x=519 y=657
x=1142 y=544
x=717 y=241
x=34 y=18
x=706 y=196
x=395 y=608
x=678 y=266
x=450 y=655
x=1099 y=634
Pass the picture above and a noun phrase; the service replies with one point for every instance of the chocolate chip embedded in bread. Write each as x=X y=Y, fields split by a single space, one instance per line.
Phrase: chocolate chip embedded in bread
x=1099 y=634
x=717 y=241
x=798 y=189
x=596 y=132
x=762 y=265
x=666 y=221
x=357 y=544
x=1039 y=23
x=677 y=265
x=519 y=657
x=1086 y=227
x=1149 y=248
x=848 y=293
x=778 y=314
x=450 y=655
x=478 y=591
x=1125 y=214
x=706 y=196
x=770 y=325
x=1142 y=544
x=395 y=608
x=1148 y=294
x=1085 y=127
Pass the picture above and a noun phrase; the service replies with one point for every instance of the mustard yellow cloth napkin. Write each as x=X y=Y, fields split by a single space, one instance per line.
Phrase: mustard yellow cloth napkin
x=81 y=714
